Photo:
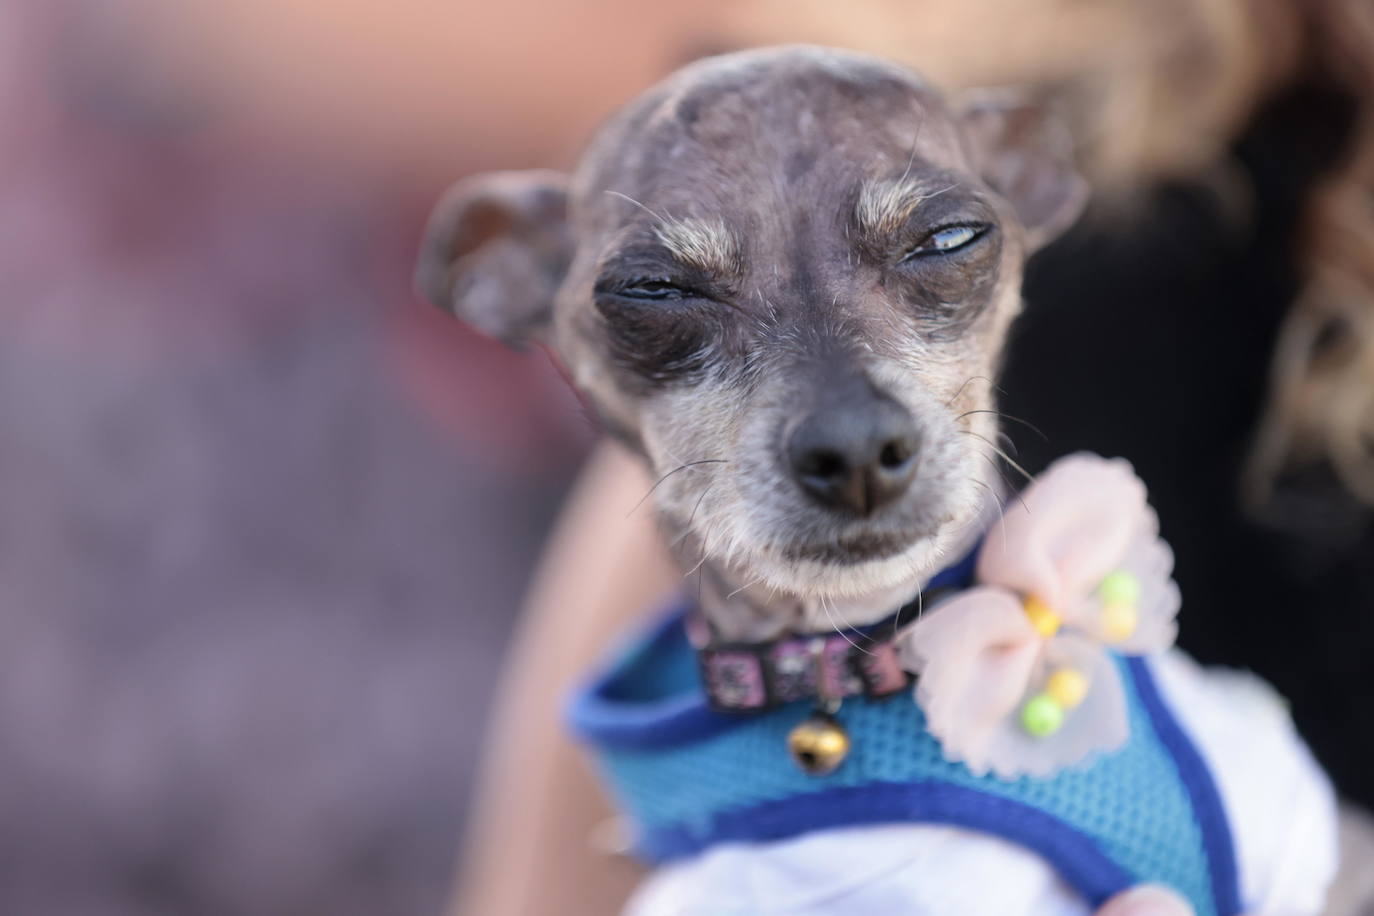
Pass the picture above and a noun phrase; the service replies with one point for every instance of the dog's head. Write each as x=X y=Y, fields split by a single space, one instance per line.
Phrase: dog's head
x=784 y=277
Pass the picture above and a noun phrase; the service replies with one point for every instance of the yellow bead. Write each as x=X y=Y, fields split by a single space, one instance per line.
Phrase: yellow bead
x=1067 y=687
x=1119 y=621
x=1045 y=621
x=818 y=745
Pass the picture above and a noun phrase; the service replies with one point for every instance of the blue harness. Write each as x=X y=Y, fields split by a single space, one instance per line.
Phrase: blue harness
x=690 y=777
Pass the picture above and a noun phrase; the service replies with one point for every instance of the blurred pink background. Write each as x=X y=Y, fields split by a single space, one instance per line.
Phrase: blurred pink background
x=265 y=518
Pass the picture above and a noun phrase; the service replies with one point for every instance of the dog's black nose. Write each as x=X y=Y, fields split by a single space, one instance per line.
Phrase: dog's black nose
x=855 y=453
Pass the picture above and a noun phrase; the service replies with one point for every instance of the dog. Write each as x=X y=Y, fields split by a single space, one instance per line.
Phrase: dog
x=785 y=279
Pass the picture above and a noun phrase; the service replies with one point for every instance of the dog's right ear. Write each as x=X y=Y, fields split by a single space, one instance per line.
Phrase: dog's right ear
x=1024 y=151
x=495 y=251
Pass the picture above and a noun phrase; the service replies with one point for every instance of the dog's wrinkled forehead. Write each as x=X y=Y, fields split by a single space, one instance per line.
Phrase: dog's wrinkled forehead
x=754 y=137
x=759 y=161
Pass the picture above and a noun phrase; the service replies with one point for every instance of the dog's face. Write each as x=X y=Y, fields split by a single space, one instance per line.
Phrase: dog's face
x=785 y=278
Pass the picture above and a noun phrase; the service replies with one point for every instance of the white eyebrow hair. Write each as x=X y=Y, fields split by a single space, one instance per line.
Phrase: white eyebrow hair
x=703 y=243
x=886 y=203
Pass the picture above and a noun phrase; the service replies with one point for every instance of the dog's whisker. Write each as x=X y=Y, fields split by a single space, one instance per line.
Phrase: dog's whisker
x=691 y=518
x=960 y=390
x=1006 y=416
x=1005 y=457
x=746 y=585
x=992 y=495
x=681 y=467
x=700 y=563
x=915 y=141
x=920 y=609
x=835 y=625
x=1010 y=488
x=657 y=216
x=1001 y=507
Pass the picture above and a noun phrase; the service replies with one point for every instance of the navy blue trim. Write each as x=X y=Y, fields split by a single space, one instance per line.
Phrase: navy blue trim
x=1202 y=790
x=959 y=574
x=595 y=714
x=1075 y=856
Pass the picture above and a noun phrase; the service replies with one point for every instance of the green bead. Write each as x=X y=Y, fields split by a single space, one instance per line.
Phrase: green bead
x=1042 y=716
x=1119 y=587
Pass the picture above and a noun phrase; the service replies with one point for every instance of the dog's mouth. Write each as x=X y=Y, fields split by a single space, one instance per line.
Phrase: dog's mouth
x=855 y=549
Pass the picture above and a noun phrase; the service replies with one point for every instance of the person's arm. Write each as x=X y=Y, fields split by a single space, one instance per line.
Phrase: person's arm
x=528 y=850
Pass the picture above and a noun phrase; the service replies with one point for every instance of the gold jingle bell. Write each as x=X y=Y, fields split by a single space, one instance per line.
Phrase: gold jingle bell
x=818 y=745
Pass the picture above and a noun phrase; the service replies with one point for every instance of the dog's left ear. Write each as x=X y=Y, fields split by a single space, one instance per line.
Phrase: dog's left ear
x=1024 y=151
x=495 y=252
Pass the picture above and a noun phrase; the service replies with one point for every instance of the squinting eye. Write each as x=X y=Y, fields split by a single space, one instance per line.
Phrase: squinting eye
x=652 y=289
x=950 y=238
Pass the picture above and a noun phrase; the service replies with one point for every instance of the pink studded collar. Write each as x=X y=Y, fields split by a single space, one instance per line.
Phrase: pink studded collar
x=741 y=677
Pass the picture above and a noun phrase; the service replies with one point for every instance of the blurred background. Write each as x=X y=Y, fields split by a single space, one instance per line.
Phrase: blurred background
x=266 y=519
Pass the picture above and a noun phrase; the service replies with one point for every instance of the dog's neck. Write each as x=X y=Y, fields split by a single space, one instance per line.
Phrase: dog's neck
x=739 y=610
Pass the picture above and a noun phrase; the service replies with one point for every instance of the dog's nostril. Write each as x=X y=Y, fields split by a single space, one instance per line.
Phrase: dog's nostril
x=823 y=464
x=894 y=455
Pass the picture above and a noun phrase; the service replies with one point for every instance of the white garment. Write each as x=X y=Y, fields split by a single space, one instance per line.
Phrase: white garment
x=1280 y=804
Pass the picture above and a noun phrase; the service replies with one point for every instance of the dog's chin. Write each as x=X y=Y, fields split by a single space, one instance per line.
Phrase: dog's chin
x=855 y=568
x=854 y=550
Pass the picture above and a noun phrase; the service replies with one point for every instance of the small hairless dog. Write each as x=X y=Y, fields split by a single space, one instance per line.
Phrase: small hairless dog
x=785 y=278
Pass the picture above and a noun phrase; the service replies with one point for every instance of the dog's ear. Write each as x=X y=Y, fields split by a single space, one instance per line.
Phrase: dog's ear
x=1024 y=151
x=495 y=251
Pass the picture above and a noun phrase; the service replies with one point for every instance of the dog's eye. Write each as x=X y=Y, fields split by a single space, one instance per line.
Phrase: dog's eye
x=653 y=289
x=952 y=238
x=947 y=239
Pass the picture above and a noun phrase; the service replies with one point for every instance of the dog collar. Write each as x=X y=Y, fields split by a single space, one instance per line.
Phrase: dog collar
x=744 y=677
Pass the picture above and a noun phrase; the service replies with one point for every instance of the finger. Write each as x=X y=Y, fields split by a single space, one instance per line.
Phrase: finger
x=1146 y=900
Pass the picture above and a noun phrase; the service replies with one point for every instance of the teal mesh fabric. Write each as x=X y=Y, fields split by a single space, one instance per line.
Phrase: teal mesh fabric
x=1132 y=805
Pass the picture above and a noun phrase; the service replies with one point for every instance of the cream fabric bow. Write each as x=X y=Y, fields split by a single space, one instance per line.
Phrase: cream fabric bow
x=1014 y=674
